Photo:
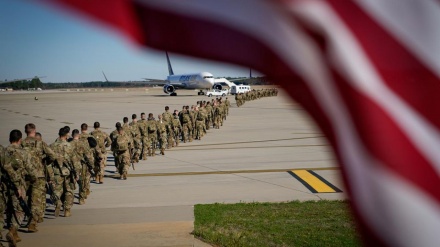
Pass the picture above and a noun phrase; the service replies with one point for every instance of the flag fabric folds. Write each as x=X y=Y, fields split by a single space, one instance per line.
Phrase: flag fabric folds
x=366 y=70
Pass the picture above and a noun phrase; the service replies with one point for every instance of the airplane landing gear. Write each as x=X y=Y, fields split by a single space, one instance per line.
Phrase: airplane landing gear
x=201 y=93
x=173 y=94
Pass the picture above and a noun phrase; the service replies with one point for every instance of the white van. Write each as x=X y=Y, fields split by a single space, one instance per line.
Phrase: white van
x=240 y=89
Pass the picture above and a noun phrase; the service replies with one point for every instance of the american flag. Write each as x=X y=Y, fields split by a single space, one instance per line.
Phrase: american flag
x=366 y=70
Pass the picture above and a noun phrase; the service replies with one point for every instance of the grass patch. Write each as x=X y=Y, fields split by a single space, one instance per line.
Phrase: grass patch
x=310 y=223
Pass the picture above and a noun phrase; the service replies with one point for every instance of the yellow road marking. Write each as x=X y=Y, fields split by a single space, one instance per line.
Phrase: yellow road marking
x=314 y=182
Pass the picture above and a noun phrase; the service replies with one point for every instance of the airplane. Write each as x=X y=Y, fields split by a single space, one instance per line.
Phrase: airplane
x=202 y=81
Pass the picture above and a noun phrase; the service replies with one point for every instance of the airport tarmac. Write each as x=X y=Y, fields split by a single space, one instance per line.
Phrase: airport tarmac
x=267 y=151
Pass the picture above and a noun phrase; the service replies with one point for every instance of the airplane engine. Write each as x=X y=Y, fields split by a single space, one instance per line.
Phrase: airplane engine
x=168 y=89
x=217 y=86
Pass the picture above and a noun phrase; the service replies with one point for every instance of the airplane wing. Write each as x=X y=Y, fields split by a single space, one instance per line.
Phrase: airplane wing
x=155 y=81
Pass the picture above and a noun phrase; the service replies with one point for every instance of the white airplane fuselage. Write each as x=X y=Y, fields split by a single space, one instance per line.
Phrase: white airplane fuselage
x=203 y=80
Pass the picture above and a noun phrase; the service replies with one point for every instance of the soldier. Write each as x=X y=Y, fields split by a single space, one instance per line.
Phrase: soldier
x=200 y=122
x=142 y=124
x=177 y=127
x=91 y=153
x=37 y=191
x=104 y=141
x=186 y=123
x=208 y=108
x=64 y=173
x=122 y=147
x=152 y=134
x=136 y=136
x=192 y=114
x=227 y=104
x=113 y=136
x=16 y=164
x=162 y=133
x=168 y=118
x=79 y=151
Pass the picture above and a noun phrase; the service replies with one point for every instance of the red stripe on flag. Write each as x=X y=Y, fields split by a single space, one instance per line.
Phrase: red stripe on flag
x=399 y=68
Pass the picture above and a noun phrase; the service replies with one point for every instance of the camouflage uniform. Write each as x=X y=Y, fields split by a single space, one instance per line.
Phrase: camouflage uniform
x=64 y=183
x=192 y=114
x=143 y=129
x=122 y=155
x=2 y=191
x=227 y=104
x=113 y=136
x=16 y=164
x=162 y=133
x=168 y=118
x=137 y=143
x=90 y=154
x=208 y=122
x=37 y=190
x=82 y=166
x=186 y=123
x=177 y=128
x=200 y=123
x=152 y=136
x=104 y=141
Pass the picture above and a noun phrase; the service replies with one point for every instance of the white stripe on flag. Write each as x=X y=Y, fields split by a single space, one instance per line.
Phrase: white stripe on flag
x=415 y=23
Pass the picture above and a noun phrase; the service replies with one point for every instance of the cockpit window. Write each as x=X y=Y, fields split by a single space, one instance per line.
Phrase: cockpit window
x=205 y=77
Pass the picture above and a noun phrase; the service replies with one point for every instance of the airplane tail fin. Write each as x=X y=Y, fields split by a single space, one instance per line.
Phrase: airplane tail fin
x=105 y=76
x=170 y=69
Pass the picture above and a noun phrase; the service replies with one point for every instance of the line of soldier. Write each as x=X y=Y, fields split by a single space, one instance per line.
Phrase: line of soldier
x=138 y=139
x=241 y=98
x=30 y=167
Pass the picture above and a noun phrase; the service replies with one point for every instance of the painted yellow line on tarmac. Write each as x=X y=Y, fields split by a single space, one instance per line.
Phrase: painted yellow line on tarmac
x=220 y=172
x=314 y=182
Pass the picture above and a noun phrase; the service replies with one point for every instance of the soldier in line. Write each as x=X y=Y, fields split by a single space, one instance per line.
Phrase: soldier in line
x=113 y=137
x=168 y=118
x=104 y=141
x=177 y=127
x=63 y=173
x=2 y=197
x=186 y=125
x=79 y=151
x=122 y=147
x=37 y=191
x=142 y=124
x=227 y=104
x=136 y=136
x=152 y=134
x=91 y=153
x=15 y=164
x=200 y=122
x=162 y=133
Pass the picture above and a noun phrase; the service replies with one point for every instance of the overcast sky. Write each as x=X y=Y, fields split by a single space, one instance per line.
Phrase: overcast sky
x=36 y=40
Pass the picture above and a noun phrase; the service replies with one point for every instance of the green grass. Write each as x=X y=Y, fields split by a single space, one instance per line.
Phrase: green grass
x=310 y=223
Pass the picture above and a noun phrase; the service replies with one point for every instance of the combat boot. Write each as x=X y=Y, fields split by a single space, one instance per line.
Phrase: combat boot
x=57 y=210
x=67 y=213
x=11 y=238
x=33 y=226
x=124 y=175
x=97 y=179
x=40 y=219
x=81 y=201
x=101 y=179
x=162 y=151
